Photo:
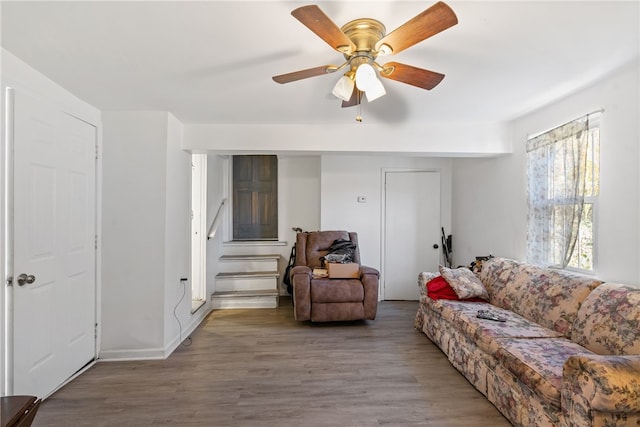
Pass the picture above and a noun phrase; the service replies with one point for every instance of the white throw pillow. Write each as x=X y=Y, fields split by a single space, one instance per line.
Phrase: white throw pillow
x=464 y=283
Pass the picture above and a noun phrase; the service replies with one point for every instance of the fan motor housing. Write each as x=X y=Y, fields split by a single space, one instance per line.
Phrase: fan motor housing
x=364 y=33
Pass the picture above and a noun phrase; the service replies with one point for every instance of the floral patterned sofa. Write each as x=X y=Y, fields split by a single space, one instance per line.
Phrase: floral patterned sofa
x=568 y=353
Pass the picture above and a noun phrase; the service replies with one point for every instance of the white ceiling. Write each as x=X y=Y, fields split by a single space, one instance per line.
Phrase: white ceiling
x=212 y=61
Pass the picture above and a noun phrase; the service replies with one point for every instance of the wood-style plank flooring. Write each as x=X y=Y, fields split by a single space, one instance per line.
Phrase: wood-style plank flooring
x=262 y=368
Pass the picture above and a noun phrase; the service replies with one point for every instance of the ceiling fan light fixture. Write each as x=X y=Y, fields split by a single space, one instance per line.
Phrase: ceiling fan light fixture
x=367 y=81
x=375 y=91
x=365 y=77
x=343 y=88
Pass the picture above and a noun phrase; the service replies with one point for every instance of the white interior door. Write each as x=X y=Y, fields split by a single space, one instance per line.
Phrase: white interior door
x=411 y=229
x=53 y=245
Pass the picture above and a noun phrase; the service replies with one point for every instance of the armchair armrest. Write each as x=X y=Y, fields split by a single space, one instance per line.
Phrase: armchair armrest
x=368 y=270
x=301 y=284
x=301 y=269
x=608 y=386
x=369 y=277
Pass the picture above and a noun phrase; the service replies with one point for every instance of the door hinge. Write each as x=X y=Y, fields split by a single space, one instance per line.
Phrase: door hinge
x=95 y=242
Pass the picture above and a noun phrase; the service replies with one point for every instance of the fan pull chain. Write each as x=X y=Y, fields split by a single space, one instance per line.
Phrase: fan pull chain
x=359 y=116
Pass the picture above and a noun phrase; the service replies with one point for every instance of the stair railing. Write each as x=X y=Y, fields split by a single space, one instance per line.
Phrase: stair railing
x=216 y=220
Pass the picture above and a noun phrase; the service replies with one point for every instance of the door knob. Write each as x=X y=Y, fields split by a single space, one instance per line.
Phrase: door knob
x=435 y=246
x=23 y=279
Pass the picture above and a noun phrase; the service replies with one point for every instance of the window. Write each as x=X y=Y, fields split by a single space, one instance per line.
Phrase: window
x=563 y=185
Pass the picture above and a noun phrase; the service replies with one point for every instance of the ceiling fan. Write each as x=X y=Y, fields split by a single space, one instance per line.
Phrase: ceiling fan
x=361 y=41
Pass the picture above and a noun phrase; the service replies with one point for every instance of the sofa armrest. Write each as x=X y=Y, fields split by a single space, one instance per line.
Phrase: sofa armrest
x=423 y=278
x=301 y=284
x=604 y=385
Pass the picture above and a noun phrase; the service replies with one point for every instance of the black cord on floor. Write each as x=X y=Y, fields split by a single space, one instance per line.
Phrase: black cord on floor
x=187 y=341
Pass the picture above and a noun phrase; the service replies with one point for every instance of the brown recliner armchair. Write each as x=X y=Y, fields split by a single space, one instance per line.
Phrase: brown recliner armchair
x=324 y=299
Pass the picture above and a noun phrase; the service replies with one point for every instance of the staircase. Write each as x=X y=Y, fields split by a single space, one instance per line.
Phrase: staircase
x=247 y=281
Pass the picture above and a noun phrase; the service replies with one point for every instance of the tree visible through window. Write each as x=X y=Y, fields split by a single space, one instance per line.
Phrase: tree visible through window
x=563 y=185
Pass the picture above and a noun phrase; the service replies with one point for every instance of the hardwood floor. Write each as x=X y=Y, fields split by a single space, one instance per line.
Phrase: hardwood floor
x=262 y=368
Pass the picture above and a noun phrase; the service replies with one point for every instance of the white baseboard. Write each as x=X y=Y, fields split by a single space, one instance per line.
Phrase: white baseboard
x=156 y=353
x=131 y=354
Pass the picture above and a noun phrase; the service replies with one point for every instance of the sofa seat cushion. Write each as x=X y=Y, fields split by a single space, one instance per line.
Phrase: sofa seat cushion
x=538 y=363
x=462 y=316
x=337 y=290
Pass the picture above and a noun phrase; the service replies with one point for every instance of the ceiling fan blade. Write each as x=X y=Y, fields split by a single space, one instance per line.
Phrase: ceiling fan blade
x=355 y=99
x=316 y=20
x=414 y=76
x=304 y=74
x=430 y=22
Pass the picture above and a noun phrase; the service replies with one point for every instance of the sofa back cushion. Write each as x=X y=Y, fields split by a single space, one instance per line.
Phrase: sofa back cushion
x=548 y=297
x=608 y=322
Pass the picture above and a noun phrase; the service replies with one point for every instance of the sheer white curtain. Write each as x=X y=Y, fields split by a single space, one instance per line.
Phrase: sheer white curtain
x=557 y=164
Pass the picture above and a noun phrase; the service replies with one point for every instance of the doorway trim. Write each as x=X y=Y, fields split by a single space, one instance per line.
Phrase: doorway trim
x=6 y=348
x=198 y=230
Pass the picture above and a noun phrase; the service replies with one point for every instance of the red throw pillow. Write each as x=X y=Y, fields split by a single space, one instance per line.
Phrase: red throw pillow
x=438 y=288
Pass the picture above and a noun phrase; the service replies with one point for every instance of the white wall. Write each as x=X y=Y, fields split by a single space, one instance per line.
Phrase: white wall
x=489 y=211
x=177 y=242
x=298 y=195
x=133 y=255
x=490 y=207
x=344 y=178
x=457 y=139
x=146 y=243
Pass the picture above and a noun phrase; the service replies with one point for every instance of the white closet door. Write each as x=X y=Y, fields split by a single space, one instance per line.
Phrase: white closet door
x=412 y=228
x=54 y=214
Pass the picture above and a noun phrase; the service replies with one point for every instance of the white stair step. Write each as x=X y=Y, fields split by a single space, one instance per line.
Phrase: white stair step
x=264 y=247
x=245 y=299
x=254 y=256
x=247 y=281
x=249 y=263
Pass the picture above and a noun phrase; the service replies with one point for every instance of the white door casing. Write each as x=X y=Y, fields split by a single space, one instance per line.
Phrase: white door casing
x=198 y=226
x=411 y=229
x=54 y=240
